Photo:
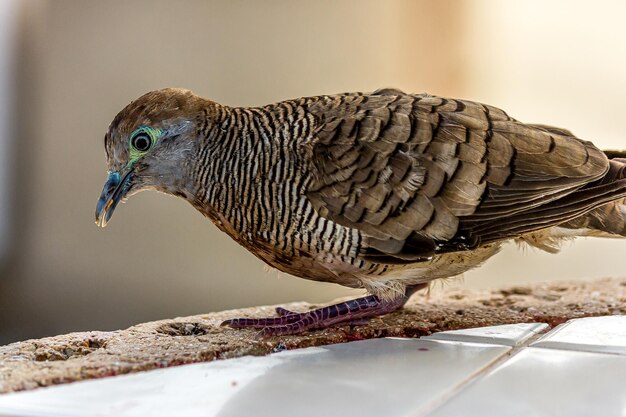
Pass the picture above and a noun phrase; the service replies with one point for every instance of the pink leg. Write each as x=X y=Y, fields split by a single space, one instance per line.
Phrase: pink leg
x=290 y=322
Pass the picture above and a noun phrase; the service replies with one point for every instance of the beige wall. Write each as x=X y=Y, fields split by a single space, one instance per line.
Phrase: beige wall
x=82 y=61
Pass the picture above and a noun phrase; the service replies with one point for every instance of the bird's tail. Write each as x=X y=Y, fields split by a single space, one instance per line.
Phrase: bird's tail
x=609 y=219
x=612 y=154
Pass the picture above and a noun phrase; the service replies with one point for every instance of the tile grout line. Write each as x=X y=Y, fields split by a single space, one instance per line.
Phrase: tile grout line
x=480 y=374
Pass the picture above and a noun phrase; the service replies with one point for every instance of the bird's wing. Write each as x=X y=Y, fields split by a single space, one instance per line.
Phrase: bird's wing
x=419 y=174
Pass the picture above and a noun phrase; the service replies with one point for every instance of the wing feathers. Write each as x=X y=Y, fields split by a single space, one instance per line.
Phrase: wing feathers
x=422 y=169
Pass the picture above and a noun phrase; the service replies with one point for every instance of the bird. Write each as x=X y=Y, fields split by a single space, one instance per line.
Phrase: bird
x=384 y=191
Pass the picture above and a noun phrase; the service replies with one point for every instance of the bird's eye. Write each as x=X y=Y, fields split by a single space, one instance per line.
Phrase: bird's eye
x=141 y=141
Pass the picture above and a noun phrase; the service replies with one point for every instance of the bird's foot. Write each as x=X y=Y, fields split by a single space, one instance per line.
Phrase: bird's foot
x=352 y=311
x=355 y=322
x=289 y=322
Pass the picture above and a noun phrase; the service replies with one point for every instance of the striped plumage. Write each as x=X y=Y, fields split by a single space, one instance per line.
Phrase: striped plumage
x=382 y=191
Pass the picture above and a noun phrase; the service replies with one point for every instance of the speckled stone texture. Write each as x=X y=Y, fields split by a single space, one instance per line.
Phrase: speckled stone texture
x=78 y=356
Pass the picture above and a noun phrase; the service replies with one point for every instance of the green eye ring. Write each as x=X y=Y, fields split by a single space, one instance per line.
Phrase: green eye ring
x=142 y=140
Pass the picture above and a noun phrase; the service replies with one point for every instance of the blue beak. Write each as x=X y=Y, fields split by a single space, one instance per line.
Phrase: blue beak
x=114 y=190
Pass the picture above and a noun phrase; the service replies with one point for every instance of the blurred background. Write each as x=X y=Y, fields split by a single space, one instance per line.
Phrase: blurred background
x=67 y=67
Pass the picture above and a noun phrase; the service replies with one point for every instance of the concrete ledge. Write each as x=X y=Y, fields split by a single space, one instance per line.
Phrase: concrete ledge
x=77 y=356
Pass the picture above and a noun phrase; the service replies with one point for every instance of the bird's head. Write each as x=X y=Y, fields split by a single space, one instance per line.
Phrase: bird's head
x=147 y=146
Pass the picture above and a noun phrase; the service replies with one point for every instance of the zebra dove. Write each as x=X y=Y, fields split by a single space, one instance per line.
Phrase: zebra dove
x=384 y=191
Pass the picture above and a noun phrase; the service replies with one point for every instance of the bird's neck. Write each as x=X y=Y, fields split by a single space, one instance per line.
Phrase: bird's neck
x=243 y=159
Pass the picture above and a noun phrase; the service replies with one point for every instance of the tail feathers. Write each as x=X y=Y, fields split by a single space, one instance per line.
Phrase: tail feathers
x=612 y=154
x=609 y=218
x=616 y=172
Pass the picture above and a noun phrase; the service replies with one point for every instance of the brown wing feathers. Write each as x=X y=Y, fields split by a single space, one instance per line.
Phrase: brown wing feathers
x=417 y=173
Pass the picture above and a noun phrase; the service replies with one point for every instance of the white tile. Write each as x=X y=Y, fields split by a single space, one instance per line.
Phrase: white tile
x=593 y=334
x=545 y=383
x=383 y=377
x=506 y=334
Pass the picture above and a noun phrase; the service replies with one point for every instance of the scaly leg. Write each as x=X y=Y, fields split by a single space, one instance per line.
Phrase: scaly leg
x=290 y=322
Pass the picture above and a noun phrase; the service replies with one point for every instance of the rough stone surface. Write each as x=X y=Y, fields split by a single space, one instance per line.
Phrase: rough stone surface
x=77 y=356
